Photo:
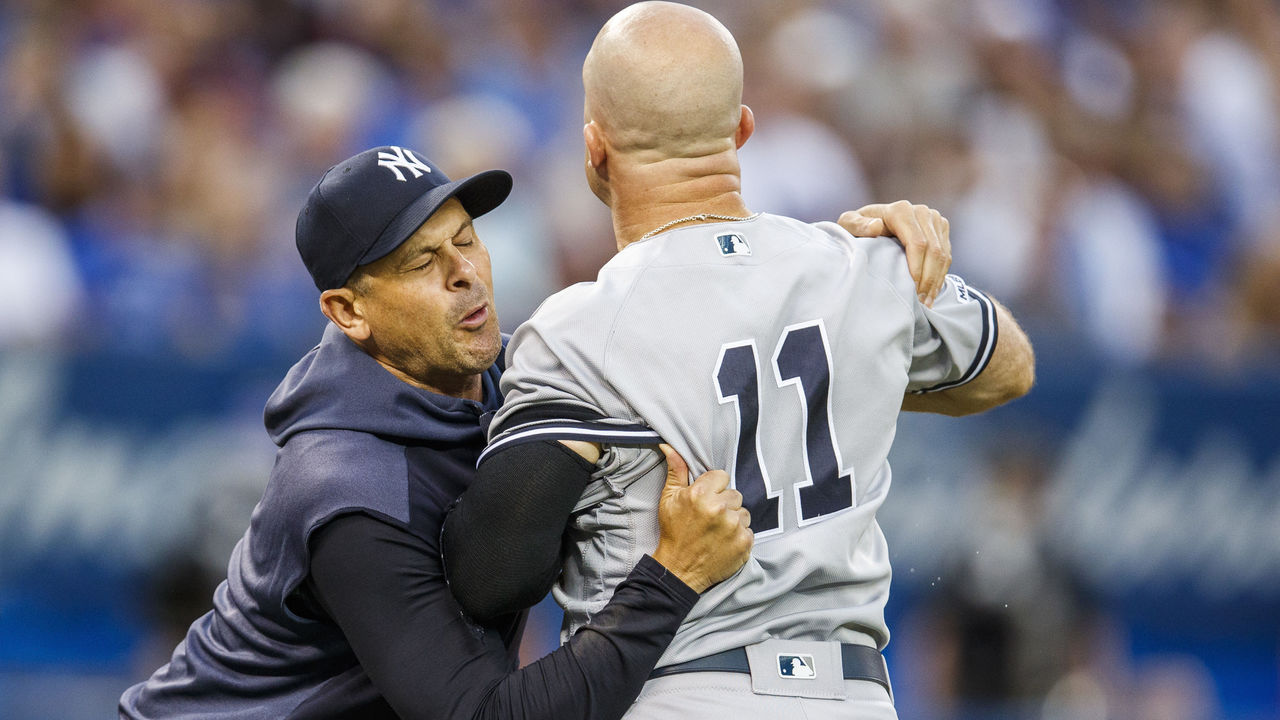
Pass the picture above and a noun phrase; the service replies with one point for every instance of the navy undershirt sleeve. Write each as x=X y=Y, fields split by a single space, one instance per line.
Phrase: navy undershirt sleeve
x=429 y=661
x=501 y=540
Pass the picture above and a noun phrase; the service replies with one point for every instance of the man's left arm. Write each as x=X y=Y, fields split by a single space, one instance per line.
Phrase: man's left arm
x=925 y=236
x=1009 y=375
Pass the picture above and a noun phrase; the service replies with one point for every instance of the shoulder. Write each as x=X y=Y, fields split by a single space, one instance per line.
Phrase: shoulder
x=881 y=257
x=323 y=473
x=319 y=475
x=578 y=315
x=883 y=252
x=567 y=305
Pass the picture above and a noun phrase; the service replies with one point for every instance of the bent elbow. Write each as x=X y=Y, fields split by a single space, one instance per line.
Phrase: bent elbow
x=1023 y=380
x=1026 y=377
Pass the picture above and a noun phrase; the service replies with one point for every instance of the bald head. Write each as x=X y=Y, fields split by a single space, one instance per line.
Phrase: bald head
x=664 y=77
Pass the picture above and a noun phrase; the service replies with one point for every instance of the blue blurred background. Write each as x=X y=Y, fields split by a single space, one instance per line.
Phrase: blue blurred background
x=1106 y=548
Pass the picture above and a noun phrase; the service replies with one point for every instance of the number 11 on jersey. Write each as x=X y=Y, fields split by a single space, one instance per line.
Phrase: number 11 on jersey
x=802 y=359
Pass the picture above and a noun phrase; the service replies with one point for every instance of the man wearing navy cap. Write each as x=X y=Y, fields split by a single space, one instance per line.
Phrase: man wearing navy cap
x=335 y=603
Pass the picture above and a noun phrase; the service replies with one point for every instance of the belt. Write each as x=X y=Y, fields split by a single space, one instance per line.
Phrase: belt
x=860 y=663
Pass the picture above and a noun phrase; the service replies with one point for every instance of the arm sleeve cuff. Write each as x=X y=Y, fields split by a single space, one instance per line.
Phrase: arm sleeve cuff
x=661 y=577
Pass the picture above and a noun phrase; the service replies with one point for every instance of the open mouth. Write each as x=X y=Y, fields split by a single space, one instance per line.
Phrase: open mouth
x=477 y=317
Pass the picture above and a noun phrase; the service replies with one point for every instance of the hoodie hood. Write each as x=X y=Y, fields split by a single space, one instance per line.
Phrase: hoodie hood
x=337 y=386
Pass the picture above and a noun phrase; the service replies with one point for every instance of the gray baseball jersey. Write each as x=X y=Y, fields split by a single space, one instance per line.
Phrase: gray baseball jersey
x=774 y=349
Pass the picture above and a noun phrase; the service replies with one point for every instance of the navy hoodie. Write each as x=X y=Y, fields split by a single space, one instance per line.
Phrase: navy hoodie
x=353 y=439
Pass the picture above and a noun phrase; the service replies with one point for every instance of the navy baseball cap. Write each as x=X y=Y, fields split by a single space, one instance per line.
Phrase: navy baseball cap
x=368 y=204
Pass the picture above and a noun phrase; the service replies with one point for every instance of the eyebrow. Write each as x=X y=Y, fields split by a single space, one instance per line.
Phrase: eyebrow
x=410 y=259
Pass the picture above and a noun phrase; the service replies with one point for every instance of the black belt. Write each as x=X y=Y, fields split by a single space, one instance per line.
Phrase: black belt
x=860 y=663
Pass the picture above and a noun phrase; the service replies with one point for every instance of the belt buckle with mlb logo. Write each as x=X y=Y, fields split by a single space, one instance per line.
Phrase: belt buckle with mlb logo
x=794 y=667
x=777 y=664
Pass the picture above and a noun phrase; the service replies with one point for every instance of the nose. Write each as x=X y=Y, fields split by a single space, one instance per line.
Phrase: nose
x=462 y=272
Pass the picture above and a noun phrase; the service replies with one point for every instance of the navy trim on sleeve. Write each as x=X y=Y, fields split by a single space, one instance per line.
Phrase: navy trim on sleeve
x=567 y=422
x=547 y=411
x=986 y=345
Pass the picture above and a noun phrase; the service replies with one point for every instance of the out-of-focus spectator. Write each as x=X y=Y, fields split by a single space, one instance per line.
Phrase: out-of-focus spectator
x=1009 y=612
x=172 y=140
x=39 y=286
x=794 y=164
x=1112 y=271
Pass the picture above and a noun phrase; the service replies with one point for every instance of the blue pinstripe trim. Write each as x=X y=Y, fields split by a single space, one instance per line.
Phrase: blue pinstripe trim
x=986 y=345
x=573 y=430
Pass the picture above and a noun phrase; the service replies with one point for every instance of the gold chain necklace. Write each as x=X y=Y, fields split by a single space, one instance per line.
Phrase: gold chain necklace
x=699 y=217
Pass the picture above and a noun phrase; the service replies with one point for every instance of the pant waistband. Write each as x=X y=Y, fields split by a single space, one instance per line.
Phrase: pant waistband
x=860 y=663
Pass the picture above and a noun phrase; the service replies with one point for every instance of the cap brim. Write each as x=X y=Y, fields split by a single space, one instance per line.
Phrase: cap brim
x=478 y=194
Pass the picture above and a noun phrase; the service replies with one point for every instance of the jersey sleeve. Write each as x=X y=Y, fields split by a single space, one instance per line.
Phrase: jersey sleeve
x=953 y=340
x=554 y=386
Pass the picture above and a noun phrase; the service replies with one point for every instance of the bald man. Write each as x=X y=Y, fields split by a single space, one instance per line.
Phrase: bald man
x=801 y=343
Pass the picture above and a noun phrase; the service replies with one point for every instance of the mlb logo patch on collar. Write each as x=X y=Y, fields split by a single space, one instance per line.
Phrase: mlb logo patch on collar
x=794 y=667
x=733 y=244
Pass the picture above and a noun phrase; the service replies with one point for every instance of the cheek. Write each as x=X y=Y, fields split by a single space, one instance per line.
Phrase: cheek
x=414 y=314
x=484 y=268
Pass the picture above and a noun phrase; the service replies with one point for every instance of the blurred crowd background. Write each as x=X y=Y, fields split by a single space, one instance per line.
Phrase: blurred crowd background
x=1108 y=547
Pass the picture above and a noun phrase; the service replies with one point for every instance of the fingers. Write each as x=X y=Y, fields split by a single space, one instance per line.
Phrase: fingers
x=732 y=498
x=705 y=533
x=677 y=470
x=903 y=222
x=937 y=259
x=713 y=482
x=860 y=225
x=924 y=235
x=939 y=255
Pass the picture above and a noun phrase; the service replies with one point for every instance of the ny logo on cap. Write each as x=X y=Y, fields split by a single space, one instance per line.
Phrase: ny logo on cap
x=401 y=158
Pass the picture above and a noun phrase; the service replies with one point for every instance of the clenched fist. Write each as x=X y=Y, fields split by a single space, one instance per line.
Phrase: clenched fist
x=705 y=533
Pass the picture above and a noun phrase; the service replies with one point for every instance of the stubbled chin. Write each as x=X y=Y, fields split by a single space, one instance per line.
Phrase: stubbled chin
x=487 y=344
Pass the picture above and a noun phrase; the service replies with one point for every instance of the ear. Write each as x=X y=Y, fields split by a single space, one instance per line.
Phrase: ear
x=593 y=138
x=342 y=309
x=746 y=126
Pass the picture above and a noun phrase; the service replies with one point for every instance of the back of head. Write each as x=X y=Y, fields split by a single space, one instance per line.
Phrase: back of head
x=664 y=78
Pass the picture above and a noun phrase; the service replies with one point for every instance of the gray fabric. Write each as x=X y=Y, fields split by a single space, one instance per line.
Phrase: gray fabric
x=649 y=343
x=718 y=695
x=797 y=668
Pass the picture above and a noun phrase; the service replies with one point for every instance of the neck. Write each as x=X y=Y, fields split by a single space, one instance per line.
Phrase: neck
x=646 y=197
x=467 y=387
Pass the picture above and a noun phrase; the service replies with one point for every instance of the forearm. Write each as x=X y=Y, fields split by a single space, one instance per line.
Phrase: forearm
x=428 y=661
x=599 y=672
x=501 y=541
x=1009 y=375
